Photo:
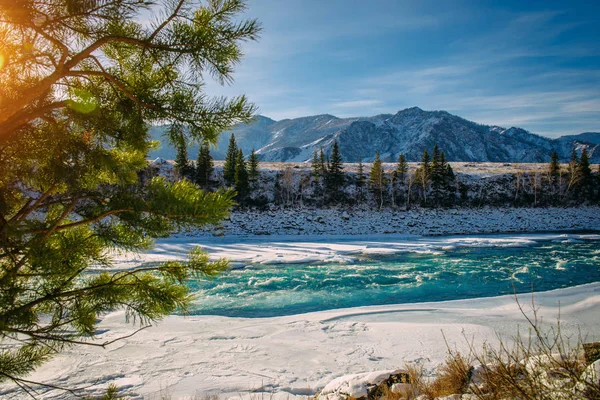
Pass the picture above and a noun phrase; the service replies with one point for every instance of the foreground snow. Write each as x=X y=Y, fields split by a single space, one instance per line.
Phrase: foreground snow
x=298 y=355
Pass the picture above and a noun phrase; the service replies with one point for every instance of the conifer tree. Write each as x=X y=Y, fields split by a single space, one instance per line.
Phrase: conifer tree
x=360 y=181
x=401 y=168
x=334 y=178
x=398 y=178
x=253 y=172
x=583 y=166
x=449 y=180
x=242 y=186
x=438 y=174
x=322 y=164
x=554 y=167
x=584 y=175
x=182 y=164
x=447 y=169
x=554 y=176
x=204 y=166
x=316 y=166
x=377 y=180
x=83 y=82
x=423 y=174
x=436 y=162
x=230 y=161
x=426 y=163
x=360 y=174
x=573 y=162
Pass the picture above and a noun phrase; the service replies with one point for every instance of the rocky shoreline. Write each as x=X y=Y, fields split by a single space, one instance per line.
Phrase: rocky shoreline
x=427 y=222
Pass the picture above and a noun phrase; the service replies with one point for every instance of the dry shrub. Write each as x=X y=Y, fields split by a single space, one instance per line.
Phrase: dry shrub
x=388 y=394
x=544 y=364
x=452 y=378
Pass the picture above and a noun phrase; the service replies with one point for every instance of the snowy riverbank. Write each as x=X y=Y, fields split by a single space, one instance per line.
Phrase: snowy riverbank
x=290 y=356
x=415 y=222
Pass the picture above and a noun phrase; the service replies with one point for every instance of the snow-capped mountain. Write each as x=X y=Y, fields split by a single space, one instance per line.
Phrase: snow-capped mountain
x=409 y=132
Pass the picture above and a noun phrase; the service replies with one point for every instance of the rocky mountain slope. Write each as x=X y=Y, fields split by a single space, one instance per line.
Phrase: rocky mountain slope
x=409 y=132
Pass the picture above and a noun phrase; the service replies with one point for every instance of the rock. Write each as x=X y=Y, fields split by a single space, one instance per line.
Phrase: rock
x=401 y=388
x=478 y=375
x=364 y=386
x=591 y=351
x=591 y=377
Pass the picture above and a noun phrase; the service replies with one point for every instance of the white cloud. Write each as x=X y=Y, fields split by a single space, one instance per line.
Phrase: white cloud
x=356 y=103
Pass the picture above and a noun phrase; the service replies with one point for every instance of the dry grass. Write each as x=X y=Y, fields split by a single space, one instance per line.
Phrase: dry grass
x=453 y=377
x=540 y=365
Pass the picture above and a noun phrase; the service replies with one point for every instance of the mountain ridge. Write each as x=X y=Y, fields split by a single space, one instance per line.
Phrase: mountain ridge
x=409 y=131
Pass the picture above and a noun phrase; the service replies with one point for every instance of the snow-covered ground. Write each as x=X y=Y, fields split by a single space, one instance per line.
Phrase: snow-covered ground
x=299 y=354
x=416 y=222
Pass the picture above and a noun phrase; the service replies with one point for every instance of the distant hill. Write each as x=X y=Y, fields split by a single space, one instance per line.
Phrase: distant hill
x=409 y=132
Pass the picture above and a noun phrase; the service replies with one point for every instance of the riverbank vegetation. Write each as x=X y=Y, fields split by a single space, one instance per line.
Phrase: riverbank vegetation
x=431 y=183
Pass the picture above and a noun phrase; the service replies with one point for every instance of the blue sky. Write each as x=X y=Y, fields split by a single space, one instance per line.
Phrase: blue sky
x=532 y=64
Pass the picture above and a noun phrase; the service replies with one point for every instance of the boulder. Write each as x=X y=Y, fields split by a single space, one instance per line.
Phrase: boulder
x=368 y=385
x=591 y=351
x=589 y=377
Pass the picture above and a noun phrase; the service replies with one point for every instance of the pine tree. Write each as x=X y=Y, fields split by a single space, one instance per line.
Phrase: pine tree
x=322 y=164
x=242 y=186
x=316 y=166
x=423 y=174
x=182 y=164
x=447 y=169
x=401 y=168
x=584 y=166
x=360 y=174
x=377 y=180
x=584 y=175
x=572 y=168
x=449 y=181
x=426 y=163
x=554 y=167
x=253 y=172
x=438 y=174
x=230 y=161
x=80 y=89
x=204 y=166
x=334 y=178
x=554 y=178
